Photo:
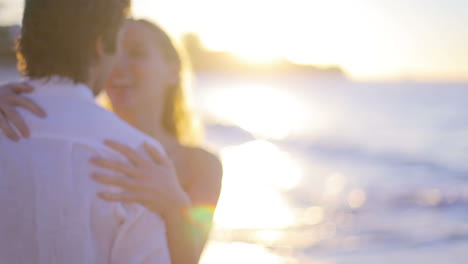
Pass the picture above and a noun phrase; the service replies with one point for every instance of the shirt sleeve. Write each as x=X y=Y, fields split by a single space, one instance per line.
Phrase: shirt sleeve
x=126 y=233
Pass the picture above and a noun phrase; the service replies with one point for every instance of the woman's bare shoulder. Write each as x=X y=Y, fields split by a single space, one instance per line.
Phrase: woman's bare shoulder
x=203 y=175
x=203 y=161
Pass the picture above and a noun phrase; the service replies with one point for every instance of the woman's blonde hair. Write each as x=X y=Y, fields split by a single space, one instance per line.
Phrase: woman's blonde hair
x=178 y=118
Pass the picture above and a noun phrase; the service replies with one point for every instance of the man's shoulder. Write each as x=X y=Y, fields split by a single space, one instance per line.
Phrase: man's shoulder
x=87 y=123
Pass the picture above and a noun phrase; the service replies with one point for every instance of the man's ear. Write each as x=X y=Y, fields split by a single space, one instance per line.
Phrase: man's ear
x=99 y=48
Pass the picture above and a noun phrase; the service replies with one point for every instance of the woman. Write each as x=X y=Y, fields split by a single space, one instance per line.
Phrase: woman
x=146 y=89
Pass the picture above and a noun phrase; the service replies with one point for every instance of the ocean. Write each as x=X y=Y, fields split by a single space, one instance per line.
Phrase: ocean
x=368 y=173
x=325 y=171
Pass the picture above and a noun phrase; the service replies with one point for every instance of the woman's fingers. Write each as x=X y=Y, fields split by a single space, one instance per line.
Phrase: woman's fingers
x=7 y=129
x=21 y=87
x=28 y=104
x=119 y=181
x=14 y=117
x=155 y=154
x=9 y=116
x=127 y=151
x=126 y=197
x=114 y=166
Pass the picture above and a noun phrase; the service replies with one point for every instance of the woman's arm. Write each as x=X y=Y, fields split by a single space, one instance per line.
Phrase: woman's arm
x=188 y=226
x=10 y=98
x=181 y=239
x=203 y=188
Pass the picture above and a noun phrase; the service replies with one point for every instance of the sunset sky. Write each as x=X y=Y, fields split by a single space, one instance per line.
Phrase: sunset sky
x=370 y=39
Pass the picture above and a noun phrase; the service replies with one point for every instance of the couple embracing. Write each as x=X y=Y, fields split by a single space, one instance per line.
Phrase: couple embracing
x=87 y=185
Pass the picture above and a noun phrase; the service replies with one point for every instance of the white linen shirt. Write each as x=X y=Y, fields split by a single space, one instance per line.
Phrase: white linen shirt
x=49 y=211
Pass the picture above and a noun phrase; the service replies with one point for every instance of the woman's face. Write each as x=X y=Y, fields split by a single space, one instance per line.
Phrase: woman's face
x=142 y=74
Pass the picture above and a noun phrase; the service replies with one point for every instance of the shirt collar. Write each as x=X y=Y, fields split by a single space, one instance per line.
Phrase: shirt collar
x=61 y=86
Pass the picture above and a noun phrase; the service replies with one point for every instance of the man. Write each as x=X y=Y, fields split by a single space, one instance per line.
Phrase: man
x=50 y=212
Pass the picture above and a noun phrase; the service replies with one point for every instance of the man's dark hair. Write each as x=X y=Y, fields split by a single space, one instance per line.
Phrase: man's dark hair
x=58 y=37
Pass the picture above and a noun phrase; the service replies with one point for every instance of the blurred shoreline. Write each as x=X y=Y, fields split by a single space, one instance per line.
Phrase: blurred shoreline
x=204 y=60
x=225 y=64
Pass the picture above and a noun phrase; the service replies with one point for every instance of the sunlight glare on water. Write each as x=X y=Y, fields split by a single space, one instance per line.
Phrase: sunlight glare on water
x=235 y=253
x=263 y=110
x=255 y=174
